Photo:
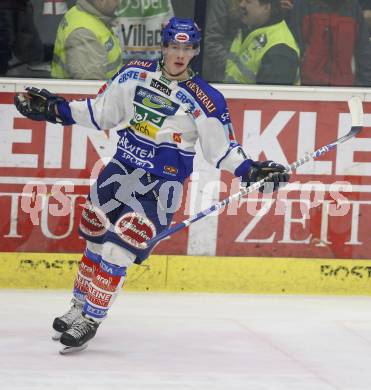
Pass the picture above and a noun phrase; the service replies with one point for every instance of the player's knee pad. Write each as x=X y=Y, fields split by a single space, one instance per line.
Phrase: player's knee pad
x=115 y=254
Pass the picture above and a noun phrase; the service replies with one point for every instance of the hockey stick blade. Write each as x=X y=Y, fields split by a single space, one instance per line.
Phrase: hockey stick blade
x=356 y=111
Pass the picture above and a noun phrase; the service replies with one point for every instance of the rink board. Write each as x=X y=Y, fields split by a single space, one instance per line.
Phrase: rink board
x=322 y=251
x=46 y=170
x=195 y=274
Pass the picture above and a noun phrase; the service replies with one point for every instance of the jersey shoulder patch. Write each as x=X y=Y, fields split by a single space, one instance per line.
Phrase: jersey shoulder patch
x=209 y=99
x=147 y=65
x=135 y=70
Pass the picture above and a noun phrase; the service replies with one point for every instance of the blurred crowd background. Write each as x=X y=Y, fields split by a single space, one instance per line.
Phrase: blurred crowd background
x=273 y=42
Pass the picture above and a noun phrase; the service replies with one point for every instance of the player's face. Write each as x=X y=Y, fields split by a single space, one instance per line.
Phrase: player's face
x=176 y=59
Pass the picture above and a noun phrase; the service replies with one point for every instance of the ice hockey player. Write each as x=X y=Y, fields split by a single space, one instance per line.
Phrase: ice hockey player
x=161 y=108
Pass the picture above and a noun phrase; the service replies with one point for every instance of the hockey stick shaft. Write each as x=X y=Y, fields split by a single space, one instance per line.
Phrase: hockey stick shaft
x=355 y=108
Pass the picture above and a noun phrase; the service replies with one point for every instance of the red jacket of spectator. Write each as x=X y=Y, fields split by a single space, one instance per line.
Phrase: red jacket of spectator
x=334 y=43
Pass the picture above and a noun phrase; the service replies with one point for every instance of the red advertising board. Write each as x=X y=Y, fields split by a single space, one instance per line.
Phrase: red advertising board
x=45 y=173
x=331 y=220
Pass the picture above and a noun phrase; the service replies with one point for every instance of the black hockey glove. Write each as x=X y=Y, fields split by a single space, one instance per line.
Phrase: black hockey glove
x=259 y=170
x=38 y=105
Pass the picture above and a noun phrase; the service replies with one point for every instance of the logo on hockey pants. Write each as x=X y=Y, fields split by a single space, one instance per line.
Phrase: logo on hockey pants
x=135 y=229
x=93 y=221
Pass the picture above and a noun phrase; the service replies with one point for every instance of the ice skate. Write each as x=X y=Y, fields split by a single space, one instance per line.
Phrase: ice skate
x=76 y=338
x=64 y=322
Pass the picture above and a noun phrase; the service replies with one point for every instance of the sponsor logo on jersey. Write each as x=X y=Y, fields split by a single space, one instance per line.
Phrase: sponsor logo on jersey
x=182 y=37
x=189 y=102
x=149 y=103
x=165 y=80
x=146 y=122
x=170 y=170
x=138 y=155
x=141 y=114
x=161 y=87
x=129 y=74
x=196 y=113
x=177 y=137
x=135 y=229
x=155 y=101
x=143 y=64
x=203 y=98
x=145 y=128
x=225 y=116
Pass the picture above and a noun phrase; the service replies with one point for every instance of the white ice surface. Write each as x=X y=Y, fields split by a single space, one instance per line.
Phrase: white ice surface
x=159 y=341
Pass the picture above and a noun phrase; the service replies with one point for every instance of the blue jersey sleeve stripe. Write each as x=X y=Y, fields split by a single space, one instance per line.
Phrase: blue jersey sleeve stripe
x=65 y=113
x=92 y=115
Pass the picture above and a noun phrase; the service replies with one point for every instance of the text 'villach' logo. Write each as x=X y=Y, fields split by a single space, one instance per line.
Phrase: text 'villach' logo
x=156 y=102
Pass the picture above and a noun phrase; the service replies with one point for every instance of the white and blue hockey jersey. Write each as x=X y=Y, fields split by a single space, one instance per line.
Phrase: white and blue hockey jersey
x=159 y=121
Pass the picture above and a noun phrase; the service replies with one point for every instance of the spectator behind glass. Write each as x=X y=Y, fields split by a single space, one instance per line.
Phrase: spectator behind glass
x=222 y=23
x=264 y=51
x=334 y=43
x=47 y=16
x=286 y=8
x=366 y=10
x=18 y=35
x=85 y=47
x=140 y=24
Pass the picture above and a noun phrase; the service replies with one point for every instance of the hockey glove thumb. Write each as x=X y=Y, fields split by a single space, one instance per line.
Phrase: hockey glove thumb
x=253 y=171
x=39 y=105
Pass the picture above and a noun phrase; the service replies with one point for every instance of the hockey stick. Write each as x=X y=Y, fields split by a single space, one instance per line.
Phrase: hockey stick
x=356 y=111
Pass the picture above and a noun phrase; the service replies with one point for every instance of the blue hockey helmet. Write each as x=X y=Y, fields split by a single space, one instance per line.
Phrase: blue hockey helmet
x=181 y=31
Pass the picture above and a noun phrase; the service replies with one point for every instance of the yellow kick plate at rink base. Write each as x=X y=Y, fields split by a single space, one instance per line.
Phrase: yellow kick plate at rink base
x=200 y=274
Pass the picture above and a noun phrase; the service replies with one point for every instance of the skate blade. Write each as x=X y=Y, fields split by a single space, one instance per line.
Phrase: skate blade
x=56 y=336
x=67 y=350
